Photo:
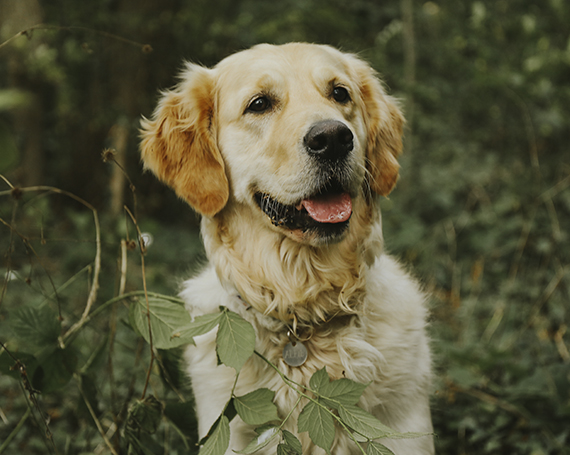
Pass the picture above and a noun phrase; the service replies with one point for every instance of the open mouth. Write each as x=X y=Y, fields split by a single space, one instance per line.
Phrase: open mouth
x=326 y=213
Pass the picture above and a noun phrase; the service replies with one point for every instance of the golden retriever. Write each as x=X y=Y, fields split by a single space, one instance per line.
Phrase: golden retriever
x=285 y=151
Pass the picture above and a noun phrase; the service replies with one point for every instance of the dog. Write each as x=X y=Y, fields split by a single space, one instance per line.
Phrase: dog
x=285 y=151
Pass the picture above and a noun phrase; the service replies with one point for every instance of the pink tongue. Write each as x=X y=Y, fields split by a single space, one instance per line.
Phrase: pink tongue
x=330 y=208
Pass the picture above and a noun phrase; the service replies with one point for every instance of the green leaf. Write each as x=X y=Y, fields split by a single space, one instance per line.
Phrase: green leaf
x=319 y=379
x=293 y=445
x=318 y=421
x=165 y=317
x=145 y=415
x=55 y=370
x=230 y=411
x=342 y=392
x=199 y=326
x=171 y=369
x=257 y=407
x=182 y=416
x=219 y=440
x=363 y=422
x=375 y=448
x=235 y=340
x=38 y=327
x=336 y=393
x=265 y=436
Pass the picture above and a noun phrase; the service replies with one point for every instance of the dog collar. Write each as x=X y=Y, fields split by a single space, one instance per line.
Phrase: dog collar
x=295 y=351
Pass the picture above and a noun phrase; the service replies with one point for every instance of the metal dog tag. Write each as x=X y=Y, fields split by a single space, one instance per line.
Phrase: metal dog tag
x=295 y=354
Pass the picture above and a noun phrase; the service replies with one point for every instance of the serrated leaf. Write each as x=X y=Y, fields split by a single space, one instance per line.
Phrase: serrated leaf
x=335 y=393
x=319 y=379
x=235 y=340
x=375 y=448
x=318 y=421
x=363 y=422
x=341 y=392
x=292 y=442
x=263 y=438
x=257 y=407
x=199 y=326
x=219 y=440
x=38 y=327
x=165 y=317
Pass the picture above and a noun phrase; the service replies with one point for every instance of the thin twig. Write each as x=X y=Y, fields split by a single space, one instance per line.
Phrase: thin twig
x=10 y=247
x=123 y=280
x=523 y=239
x=30 y=395
x=65 y=285
x=68 y=337
x=30 y=248
x=488 y=398
x=97 y=266
x=547 y=293
x=146 y=48
x=16 y=430
x=94 y=417
x=150 y=342
x=556 y=189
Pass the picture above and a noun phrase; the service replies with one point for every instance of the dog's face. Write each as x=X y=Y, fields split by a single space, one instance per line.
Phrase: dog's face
x=295 y=134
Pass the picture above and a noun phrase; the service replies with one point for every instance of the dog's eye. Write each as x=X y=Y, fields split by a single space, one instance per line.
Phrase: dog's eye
x=259 y=104
x=340 y=95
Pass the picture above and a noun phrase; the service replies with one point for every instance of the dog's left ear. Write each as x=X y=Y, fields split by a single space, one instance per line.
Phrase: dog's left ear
x=178 y=143
x=385 y=124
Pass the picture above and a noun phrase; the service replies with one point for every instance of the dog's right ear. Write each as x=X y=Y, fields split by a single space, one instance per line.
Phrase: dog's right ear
x=178 y=142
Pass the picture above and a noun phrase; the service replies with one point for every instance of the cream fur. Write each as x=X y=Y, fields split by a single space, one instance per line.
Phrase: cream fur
x=366 y=315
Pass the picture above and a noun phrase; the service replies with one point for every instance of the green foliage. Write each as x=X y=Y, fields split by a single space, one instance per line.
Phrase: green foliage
x=235 y=340
x=256 y=408
x=164 y=316
x=481 y=212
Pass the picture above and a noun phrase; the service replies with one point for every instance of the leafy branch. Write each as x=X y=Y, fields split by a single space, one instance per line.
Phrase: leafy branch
x=328 y=401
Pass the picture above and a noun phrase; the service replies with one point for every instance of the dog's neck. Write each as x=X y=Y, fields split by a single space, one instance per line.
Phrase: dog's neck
x=288 y=280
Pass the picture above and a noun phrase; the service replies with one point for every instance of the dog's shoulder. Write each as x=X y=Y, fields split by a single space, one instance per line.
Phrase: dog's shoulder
x=392 y=289
x=204 y=293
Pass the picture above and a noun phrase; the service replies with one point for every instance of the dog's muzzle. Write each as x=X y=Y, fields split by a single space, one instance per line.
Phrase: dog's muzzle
x=325 y=214
x=327 y=209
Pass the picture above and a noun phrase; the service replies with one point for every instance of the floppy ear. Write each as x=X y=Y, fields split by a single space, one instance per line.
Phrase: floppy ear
x=178 y=143
x=385 y=126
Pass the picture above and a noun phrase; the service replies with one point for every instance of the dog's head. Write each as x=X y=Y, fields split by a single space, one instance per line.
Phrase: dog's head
x=294 y=133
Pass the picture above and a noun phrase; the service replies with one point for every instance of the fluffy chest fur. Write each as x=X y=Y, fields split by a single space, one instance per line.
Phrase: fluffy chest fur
x=384 y=344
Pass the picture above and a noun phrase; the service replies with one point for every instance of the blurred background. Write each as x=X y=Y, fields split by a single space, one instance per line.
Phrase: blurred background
x=480 y=214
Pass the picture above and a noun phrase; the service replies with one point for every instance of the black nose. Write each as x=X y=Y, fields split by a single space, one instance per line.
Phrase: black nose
x=329 y=139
